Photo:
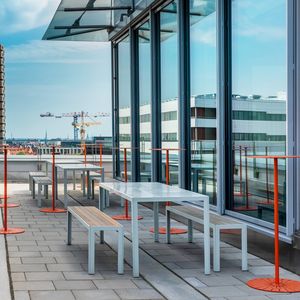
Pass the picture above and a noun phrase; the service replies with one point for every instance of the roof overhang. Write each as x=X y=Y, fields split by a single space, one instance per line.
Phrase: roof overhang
x=87 y=20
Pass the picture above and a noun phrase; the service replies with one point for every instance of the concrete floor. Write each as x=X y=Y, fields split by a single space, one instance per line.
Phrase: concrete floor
x=42 y=266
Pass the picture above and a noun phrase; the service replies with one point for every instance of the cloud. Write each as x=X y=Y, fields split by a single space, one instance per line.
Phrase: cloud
x=23 y=15
x=58 y=52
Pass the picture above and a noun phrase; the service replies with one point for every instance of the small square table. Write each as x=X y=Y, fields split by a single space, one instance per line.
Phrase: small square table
x=141 y=192
x=77 y=167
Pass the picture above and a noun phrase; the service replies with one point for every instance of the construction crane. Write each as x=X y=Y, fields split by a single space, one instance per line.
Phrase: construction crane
x=79 y=121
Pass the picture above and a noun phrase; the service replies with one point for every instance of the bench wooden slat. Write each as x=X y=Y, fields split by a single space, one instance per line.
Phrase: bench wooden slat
x=93 y=217
x=198 y=213
x=42 y=180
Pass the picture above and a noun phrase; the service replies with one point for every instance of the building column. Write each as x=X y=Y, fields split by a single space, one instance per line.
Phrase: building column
x=184 y=99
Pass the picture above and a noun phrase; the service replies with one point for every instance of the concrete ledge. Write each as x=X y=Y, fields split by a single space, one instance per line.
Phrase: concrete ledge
x=4 y=277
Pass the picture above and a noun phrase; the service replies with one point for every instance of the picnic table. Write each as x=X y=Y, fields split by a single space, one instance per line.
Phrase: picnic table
x=142 y=192
x=81 y=167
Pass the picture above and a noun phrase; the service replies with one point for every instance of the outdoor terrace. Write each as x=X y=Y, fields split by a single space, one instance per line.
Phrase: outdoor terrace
x=42 y=266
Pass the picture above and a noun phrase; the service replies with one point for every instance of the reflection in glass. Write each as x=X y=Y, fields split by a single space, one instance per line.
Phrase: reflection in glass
x=169 y=87
x=258 y=105
x=124 y=97
x=203 y=96
x=145 y=100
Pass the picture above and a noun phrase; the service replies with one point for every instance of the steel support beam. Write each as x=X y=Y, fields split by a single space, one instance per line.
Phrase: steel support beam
x=134 y=107
x=155 y=97
x=184 y=100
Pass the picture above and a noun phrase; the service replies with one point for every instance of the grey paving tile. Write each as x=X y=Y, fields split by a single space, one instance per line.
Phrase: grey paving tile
x=64 y=267
x=223 y=291
x=33 y=276
x=52 y=295
x=82 y=276
x=28 y=268
x=97 y=294
x=17 y=276
x=115 y=284
x=38 y=260
x=138 y=294
x=33 y=285
x=21 y=295
x=74 y=285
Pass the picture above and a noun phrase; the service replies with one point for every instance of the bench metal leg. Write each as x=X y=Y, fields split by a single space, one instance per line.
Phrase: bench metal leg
x=216 y=259
x=91 y=255
x=135 y=239
x=101 y=237
x=101 y=199
x=30 y=184
x=156 y=220
x=168 y=235
x=47 y=191
x=107 y=204
x=74 y=180
x=88 y=185
x=66 y=188
x=39 y=197
x=33 y=189
x=121 y=251
x=83 y=184
x=93 y=188
x=244 y=249
x=69 y=239
x=190 y=231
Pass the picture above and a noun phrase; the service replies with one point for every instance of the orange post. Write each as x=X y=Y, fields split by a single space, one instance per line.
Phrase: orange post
x=100 y=154
x=276 y=222
x=126 y=216
x=6 y=229
x=53 y=209
x=163 y=230
x=276 y=284
x=84 y=152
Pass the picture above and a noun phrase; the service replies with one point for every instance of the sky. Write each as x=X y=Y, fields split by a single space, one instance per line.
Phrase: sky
x=62 y=77
x=50 y=76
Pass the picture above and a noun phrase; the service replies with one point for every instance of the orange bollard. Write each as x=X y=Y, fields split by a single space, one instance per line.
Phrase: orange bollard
x=126 y=215
x=163 y=230
x=53 y=209
x=6 y=229
x=276 y=284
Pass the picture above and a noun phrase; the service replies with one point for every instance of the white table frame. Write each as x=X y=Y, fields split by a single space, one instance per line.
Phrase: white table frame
x=77 y=167
x=138 y=192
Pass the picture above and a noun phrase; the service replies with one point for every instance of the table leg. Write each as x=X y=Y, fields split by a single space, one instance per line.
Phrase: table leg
x=156 y=220
x=135 y=238
x=206 y=238
x=66 y=188
x=74 y=180
x=69 y=240
x=88 y=185
x=101 y=199
x=56 y=183
x=46 y=168
x=83 y=183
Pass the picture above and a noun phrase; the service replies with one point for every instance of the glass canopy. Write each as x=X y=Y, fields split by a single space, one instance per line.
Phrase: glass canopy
x=87 y=20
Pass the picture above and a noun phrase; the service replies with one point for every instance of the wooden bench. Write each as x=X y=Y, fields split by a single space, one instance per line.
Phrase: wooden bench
x=217 y=222
x=34 y=174
x=94 y=221
x=41 y=182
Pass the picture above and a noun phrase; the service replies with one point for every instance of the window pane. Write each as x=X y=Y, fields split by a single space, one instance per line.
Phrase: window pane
x=259 y=85
x=169 y=87
x=203 y=96
x=145 y=100
x=124 y=104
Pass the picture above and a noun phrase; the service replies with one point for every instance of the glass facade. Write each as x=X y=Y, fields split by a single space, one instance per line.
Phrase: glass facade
x=238 y=101
x=259 y=101
x=124 y=102
x=144 y=50
x=203 y=56
x=169 y=88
